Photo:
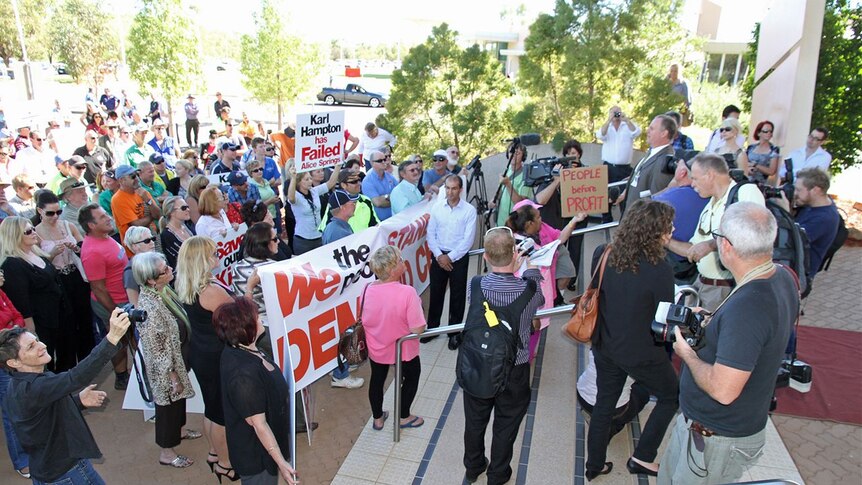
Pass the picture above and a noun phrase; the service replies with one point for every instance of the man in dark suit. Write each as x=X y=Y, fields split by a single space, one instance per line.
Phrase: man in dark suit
x=648 y=175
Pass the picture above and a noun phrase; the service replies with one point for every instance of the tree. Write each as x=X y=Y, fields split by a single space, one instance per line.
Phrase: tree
x=276 y=67
x=33 y=14
x=838 y=90
x=163 y=51
x=592 y=54
x=82 y=37
x=445 y=95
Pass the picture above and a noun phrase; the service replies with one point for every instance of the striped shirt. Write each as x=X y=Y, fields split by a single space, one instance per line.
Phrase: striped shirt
x=501 y=289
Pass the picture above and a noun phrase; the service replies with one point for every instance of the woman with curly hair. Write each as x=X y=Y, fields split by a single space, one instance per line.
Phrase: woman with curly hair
x=636 y=279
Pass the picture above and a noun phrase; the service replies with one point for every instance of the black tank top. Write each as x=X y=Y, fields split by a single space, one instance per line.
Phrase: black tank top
x=204 y=338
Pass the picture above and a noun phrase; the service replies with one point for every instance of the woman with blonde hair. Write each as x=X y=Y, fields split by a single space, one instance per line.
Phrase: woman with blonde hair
x=305 y=204
x=162 y=336
x=185 y=171
x=729 y=130
x=200 y=294
x=196 y=186
x=176 y=226
x=31 y=286
x=213 y=221
x=391 y=310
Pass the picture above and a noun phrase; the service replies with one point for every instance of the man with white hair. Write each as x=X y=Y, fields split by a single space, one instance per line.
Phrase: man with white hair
x=98 y=159
x=726 y=386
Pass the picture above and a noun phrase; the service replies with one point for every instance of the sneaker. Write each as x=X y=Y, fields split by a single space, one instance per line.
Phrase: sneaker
x=122 y=381
x=348 y=382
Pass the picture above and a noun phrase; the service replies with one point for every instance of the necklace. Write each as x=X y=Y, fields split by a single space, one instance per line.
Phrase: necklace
x=256 y=352
x=181 y=231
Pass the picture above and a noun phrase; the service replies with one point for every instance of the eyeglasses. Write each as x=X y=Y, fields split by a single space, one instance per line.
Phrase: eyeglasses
x=700 y=229
x=257 y=170
x=716 y=235
x=53 y=213
x=724 y=129
x=147 y=240
x=815 y=138
x=275 y=239
x=414 y=170
x=29 y=231
x=765 y=131
x=158 y=162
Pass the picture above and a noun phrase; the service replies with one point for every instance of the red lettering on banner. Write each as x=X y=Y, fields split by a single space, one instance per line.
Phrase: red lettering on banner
x=410 y=233
x=225 y=277
x=321 y=333
x=225 y=249
x=321 y=151
x=298 y=338
x=423 y=261
x=304 y=286
x=407 y=277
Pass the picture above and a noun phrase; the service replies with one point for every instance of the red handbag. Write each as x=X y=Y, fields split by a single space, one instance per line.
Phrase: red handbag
x=582 y=323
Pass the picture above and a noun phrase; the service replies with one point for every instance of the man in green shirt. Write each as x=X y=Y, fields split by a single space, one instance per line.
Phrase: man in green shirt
x=139 y=151
x=514 y=189
x=147 y=174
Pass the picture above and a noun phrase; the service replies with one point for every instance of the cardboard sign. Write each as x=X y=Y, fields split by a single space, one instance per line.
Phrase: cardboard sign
x=219 y=179
x=319 y=140
x=584 y=190
x=229 y=250
x=312 y=298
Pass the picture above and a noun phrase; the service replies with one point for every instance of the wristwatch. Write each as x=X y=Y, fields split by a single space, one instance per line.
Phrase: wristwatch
x=386 y=196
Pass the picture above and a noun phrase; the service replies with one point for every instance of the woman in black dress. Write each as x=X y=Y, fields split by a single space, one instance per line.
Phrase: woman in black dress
x=637 y=278
x=32 y=286
x=255 y=397
x=200 y=295
x=176 y=226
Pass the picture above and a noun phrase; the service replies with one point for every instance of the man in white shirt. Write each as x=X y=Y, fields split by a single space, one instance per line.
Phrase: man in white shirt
x=38 y=161
x=710 y=177
x=374 y=139
x=811 y=155
x=617 y=136
x=451 y=231
x=715 y=141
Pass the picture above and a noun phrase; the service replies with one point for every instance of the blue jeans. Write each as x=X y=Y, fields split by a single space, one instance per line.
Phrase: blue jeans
x=19 y=457
x=82 y=473
x=341 y=372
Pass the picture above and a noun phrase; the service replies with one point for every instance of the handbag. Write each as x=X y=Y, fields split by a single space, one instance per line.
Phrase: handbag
x=582 y=323
x=352 y=346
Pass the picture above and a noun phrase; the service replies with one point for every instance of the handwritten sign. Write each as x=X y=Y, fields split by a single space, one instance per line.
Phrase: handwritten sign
x=584 y=190
x=319 y=140
x=229 y=250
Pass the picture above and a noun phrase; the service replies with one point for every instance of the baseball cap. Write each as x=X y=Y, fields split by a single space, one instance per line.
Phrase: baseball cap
x=69 y=185
x=236 y=178
x=123 y=171
x=158 y=123
x=77 y=160
x=339 y=197
x=141 y=127
x=440 y=153
x=157 y=158
x=228 y=146
x=524 y=203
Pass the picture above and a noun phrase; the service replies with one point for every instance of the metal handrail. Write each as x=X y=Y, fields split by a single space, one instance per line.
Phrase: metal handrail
x=460 y=327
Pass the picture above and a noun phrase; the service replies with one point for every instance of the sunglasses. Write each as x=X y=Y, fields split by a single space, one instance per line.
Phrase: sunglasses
x=79 y=167
x=351 y=182
x=413 y=170
x=716 y=235
x=147 y=240
x=38 y=139
x=275 y=239
x=184 y=207
x=168 y=270
x=132 y=176
x=29 y=231
x=417 y=160
x=158 y=162
x=724 y=129
x=270 y=149
x=111 y=128
x=439 y=159
x=53 y=213
x=257 y=170
x=91 y=138
x=766 y=131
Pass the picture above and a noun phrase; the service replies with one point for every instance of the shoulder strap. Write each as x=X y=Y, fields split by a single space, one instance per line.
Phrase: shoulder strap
x=362 y=301
x=733 y=195
x=602 y=265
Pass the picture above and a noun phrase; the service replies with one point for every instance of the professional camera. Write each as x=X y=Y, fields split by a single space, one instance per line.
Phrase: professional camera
x=135 y=316
x=794 y=373
x=543 y=170
x=526 y=246
x=669 y=315
x=670 y=162
x=617 y=114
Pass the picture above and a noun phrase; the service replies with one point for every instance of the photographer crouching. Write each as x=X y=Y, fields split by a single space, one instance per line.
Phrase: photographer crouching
x=726 y=386
x=45 y=408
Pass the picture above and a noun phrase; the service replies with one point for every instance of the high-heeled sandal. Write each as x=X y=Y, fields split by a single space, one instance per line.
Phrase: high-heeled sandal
x=212 y=464
x=227 y=473
x=590 y=474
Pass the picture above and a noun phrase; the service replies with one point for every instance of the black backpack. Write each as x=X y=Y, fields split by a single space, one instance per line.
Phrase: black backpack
x=791 y=247
x=487 y=353
x=840 y=238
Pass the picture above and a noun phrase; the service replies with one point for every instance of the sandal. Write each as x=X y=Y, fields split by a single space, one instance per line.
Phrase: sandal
x=413 y=423
x=23 y=473
x=191 y=435
x=212 y=464
x=374 y=426
x=179 y=462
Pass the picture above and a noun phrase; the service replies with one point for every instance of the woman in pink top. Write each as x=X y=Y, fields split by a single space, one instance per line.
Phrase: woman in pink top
x=392 y=310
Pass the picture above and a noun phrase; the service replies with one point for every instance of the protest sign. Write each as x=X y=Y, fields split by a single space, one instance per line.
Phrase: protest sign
x=312 y=298
x=319 y=140
x=584 y=190
x=229 y=250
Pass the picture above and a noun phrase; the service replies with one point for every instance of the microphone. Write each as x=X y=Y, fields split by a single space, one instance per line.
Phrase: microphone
x=567 y=159
x=528 y=139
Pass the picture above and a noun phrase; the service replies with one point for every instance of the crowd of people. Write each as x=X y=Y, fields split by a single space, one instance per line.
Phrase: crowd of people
x=130 y=219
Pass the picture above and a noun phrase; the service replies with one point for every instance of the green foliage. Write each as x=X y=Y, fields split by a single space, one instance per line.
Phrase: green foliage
x=276 y=67
x=163 y=49
x=838 y=91
x=444 y=95
x=591 y=54
x=749 y=83
x=82 y=37
x=709 y=99
x=33 y=14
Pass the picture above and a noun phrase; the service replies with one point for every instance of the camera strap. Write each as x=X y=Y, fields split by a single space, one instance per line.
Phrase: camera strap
x=757 y=272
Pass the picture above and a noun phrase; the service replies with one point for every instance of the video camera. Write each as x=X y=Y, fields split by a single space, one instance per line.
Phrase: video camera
x=669 y=315
x=670 y=162
x=768 y=191
x=543 y=170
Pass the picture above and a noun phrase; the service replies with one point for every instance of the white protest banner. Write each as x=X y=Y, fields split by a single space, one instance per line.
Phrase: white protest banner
x=319 y=140
x=229 y=250
x=219 y=178
x=312 y=298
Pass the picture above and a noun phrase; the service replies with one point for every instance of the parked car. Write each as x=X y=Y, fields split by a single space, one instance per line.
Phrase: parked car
x=61 y=68
x=353 y=94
